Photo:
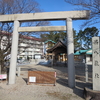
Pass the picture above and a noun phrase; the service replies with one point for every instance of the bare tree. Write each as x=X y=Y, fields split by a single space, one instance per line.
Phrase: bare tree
x=92 y=5
x=15 y=7
x=5 y=48
x=19 y=6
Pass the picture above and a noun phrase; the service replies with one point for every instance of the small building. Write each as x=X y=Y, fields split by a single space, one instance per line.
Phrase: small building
x=58 y=52
x=83 y=56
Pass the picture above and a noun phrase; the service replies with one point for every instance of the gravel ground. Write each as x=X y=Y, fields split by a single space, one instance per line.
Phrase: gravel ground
x=22 y=91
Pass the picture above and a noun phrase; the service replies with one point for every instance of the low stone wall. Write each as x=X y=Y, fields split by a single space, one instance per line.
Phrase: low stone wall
x=79 y=64
x=90 y=94
x=36 y=61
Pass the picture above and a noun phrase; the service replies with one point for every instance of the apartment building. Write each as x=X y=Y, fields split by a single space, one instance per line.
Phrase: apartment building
x=28 y=47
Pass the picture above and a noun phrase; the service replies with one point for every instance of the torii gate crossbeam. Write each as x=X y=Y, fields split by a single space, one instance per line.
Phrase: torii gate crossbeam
x=64 y=15
x=42 y=29
x=46 y=16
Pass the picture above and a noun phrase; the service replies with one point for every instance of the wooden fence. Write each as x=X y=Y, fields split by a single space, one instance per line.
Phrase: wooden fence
x=41 y=77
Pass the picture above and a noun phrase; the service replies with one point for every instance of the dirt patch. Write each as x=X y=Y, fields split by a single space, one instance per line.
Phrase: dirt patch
x=60 y=95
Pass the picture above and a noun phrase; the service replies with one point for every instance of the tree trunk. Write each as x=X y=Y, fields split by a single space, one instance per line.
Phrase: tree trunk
x=0 y=69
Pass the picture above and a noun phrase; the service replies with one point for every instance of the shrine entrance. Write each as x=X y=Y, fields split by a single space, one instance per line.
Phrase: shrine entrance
x=46 y=16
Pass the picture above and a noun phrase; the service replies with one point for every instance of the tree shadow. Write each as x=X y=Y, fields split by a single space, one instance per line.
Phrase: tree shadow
x=62 y=81
x=79 y=87
x=25 y=79
x=28 y=69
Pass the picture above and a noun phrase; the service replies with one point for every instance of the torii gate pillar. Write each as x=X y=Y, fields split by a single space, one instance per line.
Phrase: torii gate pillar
x=14 y=49
x=70 y=53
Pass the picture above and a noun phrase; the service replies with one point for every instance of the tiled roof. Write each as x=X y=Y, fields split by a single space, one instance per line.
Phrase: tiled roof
x=21 y=36
x=82 y=52
x=89 y=52
x=59 y=44
x=49 y=41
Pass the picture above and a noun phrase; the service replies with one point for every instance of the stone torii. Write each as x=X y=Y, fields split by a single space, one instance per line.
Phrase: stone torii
x=45 y=16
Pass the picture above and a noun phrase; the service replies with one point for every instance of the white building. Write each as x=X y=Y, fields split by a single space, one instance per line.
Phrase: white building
x=28 y=48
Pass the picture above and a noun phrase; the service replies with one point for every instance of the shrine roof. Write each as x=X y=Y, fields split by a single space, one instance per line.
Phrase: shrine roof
x=59 y=44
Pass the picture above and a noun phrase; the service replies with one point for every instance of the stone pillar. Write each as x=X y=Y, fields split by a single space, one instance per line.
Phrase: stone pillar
x=96 y=63
x=70 y=53
x=14 y=49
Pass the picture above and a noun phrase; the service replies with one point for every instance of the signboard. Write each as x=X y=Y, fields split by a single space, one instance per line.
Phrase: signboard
x=32 y=79
x=3 y=76
x=41 y=77
x=96 y=62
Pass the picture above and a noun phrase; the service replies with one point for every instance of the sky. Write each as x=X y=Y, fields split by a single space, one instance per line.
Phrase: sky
x=60 y=5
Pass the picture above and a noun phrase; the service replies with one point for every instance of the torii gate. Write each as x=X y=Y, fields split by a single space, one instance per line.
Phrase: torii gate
x=44 y=16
